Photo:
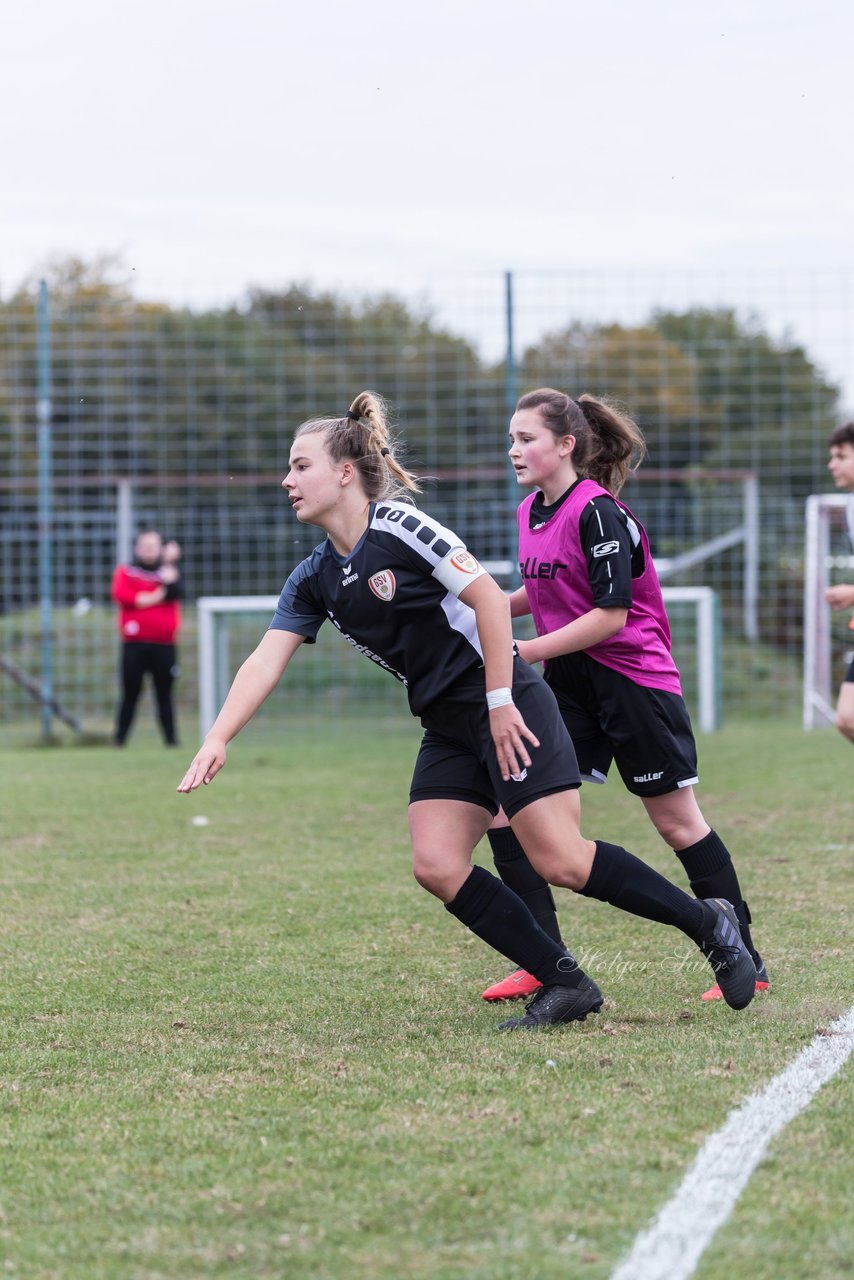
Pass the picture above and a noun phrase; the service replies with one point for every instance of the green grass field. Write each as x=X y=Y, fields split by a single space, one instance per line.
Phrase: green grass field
x=255 y=1048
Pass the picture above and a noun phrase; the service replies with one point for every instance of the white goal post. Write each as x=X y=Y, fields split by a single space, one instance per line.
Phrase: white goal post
x=215 y=612
x=212 y=617
x=822 y=514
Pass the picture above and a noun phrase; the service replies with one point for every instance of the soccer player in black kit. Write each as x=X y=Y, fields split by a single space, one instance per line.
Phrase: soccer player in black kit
x=407 y=593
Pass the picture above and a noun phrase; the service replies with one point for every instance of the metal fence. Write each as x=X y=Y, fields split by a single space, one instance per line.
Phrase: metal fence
x=182 y=420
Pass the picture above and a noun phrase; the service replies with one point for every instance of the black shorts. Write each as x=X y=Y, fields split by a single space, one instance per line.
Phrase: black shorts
x=849 y=674
x=647 y=732
x=457 y=760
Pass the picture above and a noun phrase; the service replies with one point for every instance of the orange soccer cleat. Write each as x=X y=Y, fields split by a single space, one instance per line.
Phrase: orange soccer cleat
x=518 y=986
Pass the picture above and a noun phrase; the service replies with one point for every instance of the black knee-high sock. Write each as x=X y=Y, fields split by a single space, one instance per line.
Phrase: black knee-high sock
x=501 y=919
x=620 y=878
x=711 y=874
x=511 y=863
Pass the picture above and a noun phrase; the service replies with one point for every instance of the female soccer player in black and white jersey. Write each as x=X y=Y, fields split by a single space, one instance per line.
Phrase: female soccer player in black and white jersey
x=603 y=633
x=407 y=593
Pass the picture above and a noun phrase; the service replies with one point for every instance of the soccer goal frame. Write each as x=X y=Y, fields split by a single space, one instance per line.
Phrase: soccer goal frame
x=821 y=517
x=215 y=612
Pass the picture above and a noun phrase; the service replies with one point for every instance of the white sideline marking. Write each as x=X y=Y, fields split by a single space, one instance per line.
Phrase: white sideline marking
x=672 y=1245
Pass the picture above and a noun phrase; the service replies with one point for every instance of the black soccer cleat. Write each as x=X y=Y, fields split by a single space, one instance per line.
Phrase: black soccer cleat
x=763 y=982
x=725 y=951
x=553 y=1005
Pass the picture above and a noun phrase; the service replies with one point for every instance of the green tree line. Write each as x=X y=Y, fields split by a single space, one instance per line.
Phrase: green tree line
x=148 y=391
x=140 y=389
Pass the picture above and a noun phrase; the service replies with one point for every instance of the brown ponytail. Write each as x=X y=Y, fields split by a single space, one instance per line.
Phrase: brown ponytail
x=362 y=437
x=608 y=443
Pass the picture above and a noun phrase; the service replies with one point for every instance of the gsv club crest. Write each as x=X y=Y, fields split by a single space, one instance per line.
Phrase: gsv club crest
x=383 y=584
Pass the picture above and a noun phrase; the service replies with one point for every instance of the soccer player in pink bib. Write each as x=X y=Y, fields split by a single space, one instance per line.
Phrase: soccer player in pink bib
x=603 y=635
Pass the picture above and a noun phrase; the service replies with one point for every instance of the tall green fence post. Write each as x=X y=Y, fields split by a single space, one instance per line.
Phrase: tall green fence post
x=45 y=511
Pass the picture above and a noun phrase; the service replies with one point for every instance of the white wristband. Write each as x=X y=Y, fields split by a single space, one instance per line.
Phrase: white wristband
x=498 y=698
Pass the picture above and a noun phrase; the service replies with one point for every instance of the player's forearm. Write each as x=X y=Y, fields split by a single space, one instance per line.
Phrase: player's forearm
x=254 y=682
x=520 y=605
x=492 y=614
x=583 y=633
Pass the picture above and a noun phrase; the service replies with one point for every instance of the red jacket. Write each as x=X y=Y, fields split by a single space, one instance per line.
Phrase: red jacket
x=158 y=624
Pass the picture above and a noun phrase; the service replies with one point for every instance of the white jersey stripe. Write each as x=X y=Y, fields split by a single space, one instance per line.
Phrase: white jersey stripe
x=634 y=531
x=462 y=619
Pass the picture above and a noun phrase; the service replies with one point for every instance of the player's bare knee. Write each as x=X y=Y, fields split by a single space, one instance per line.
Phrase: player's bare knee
x=845 y=725
x=426 y=876
x=564 y=863
x=680 y=835
x=432 y=876
x=573 y=877
x=563 y=872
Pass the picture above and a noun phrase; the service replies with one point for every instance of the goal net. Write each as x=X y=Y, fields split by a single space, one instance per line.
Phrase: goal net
x=827 y=557
x=337 y=679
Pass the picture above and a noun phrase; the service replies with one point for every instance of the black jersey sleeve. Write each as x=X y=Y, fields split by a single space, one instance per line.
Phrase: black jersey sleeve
x=299 y=609
x=614 y=551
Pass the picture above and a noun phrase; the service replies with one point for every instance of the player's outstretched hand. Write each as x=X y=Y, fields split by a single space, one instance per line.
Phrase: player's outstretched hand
x=208 y=761
x=840 y=596
x=509 y=732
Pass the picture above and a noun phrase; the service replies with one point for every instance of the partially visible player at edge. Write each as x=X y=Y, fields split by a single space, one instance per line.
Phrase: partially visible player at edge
x=406 y=592
x=603 y=632
x=841 y=596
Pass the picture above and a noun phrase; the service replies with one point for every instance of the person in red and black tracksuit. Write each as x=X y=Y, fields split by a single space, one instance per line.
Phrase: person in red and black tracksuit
x=148 y=592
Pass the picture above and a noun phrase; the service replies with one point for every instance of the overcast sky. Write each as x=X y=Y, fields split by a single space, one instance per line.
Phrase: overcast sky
x=220 y=144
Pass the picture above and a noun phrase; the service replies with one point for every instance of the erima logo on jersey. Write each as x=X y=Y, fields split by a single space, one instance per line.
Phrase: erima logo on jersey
x=606 y=549
x=348 y=576
x=465 y=562
x=519 y=777
x=648 y=777
x=383 y=584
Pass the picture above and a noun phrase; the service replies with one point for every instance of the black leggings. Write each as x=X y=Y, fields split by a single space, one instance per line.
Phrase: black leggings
x=160 y=660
